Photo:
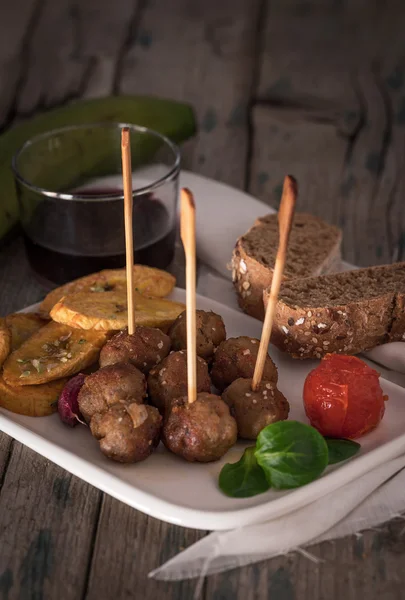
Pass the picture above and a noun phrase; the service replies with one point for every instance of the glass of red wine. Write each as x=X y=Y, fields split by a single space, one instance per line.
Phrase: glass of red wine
x=69 y=187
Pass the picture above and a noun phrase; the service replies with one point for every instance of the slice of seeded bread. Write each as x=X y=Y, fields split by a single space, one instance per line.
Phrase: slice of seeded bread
x=346 y=312
x=313 y=249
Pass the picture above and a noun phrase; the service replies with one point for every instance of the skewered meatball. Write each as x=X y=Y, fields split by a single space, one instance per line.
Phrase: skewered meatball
x=128 y=433
x=145 y=348
x=210 y=333
x=254 y=410
x=202 y=431
x=236 y=357
x=107 y=386
x=168 y=380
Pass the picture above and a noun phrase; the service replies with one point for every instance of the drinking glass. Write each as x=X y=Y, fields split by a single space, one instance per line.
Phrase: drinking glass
x=70 y=193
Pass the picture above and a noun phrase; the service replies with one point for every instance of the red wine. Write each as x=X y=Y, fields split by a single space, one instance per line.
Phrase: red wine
x=69 y=239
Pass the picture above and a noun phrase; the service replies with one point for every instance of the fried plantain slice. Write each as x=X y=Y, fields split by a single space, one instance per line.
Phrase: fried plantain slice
x=53 y=352
x=22 y=326
x=148 y=281
x=31 y=400
x=108 y=311
x=5 y=340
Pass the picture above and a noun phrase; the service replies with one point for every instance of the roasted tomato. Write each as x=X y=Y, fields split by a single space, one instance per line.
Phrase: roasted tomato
x=343 y=397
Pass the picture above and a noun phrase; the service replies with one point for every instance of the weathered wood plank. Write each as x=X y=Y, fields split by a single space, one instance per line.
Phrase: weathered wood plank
x=321 y=67
x=307 y=105
x=82 y=41
x=106 y=29
x=364 y=244
x=390 y=66
x=284 y=142
x=18 y=286
x=202 y=53
x=129 y=545
x=5 y=452
x=305 y=61
x=17 y=20
x=47 y=520
x=361 y=207
x=363 y=566
x=372 y=187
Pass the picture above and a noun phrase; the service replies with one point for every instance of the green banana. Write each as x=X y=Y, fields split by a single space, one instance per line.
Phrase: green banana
x=173 y=119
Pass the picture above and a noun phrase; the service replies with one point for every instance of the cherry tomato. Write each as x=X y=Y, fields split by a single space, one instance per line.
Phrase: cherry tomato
x=343 y=397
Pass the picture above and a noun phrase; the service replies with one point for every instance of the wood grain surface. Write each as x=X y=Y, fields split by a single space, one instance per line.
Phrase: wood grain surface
x=329 y=109
x=314 y=88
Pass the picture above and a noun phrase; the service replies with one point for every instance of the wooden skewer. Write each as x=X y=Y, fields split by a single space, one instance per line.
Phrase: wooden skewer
x=285 y=218
x=187 y=233
x=129 y=242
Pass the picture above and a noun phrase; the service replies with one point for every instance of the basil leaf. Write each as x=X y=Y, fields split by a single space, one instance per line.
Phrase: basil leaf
x=244 y=478
x=341 y=449
x=291 y=454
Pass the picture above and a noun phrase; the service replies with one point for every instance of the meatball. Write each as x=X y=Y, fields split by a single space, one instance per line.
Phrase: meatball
x=210 y=333
x=107 y=386
x=236 y=357
x=168 y=380
x=127 y=433
x=254 y=410
x=145 y=348
x=202 y=431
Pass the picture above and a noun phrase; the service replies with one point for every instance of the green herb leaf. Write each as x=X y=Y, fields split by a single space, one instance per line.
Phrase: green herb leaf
x=291 y=454
x=244 y=478
x=37 y=365
x=81 y=341
x=341 y=449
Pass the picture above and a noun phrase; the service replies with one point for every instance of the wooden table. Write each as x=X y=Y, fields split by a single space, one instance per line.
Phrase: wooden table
x=314 y=88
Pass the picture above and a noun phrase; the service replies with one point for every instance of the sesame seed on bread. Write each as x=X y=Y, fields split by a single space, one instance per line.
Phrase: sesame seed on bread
x=314 y=249
x=346 y=312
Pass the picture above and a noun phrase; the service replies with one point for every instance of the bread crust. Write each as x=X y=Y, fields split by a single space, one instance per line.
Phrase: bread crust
x=313 y=332
x=250 y=277
x=397 y=333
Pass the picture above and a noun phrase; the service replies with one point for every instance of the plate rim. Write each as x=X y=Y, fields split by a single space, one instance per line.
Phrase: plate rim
x=196 y=518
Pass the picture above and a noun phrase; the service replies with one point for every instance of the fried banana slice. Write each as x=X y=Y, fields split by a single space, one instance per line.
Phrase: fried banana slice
x=148 y=281
x=53 y=352
x=5 y=341
x=108 y=311
x=22 y=326
x=31 y=400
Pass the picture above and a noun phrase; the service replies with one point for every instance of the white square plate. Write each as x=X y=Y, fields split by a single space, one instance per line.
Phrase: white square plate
x=168 y=488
